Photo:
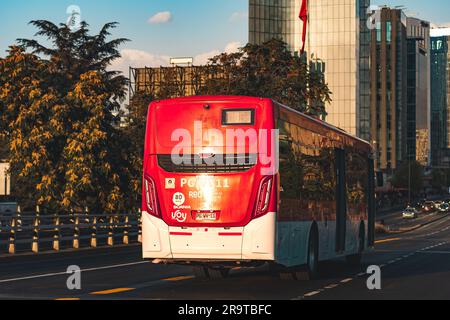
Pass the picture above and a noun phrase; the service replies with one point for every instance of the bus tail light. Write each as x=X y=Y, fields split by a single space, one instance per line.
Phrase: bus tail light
x=150 y=197
x=262 y=204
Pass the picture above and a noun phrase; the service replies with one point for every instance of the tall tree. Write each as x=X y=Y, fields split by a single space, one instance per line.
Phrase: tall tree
x=270 y=70
x=409 y=172
x=59 y=104
x=135 y=132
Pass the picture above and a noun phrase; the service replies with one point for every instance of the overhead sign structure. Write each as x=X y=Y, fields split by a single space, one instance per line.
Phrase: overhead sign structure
x=182 y=61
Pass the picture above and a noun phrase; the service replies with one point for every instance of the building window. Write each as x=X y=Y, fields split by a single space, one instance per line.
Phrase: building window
x=389 y=31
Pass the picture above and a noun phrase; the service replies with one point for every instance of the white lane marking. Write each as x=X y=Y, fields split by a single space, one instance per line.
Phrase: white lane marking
x=65 y=273
x=362 y=274
x=311 y=294
x=346 y=280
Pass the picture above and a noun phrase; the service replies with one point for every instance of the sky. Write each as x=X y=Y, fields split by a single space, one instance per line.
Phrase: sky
x=160 y=29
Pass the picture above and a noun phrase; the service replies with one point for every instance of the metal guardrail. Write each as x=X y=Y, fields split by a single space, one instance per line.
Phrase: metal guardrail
x=33 y=231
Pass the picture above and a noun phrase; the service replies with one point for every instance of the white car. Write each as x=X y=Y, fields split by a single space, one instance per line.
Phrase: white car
x=410 y=213
x=444 y=208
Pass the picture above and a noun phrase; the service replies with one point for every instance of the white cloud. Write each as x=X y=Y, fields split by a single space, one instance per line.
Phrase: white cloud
x=233 y=47
x=160 y=17
x=203 y=58
x=238 y=16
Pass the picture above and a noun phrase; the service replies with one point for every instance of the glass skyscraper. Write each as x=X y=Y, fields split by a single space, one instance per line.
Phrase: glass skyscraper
x=338 y=39
x=418 y=90
x=440 y=97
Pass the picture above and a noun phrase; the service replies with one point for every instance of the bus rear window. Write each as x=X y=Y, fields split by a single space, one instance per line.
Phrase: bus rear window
x=238 y=117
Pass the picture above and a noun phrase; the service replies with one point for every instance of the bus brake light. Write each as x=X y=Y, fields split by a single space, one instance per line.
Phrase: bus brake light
x=262 y=204
x=150 y=197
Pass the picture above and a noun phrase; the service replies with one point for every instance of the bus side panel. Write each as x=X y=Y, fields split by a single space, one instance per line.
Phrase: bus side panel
x=292 y=239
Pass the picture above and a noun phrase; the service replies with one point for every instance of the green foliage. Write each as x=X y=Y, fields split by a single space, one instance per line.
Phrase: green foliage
x=135 y=131
x=406 y=170
x=270 y=71
x=57 y=115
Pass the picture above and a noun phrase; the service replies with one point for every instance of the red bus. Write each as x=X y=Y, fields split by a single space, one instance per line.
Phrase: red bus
x=235 y=181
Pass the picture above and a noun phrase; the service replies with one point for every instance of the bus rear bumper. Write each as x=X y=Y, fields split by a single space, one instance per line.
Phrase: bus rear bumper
x=256 y=241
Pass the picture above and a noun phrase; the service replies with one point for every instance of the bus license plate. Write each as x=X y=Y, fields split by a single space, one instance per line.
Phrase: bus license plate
x=211 y=216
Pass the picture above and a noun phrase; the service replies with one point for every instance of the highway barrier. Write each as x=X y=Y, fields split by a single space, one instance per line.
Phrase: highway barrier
x=36 y=232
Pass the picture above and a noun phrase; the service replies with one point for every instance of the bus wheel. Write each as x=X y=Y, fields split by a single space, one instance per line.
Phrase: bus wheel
x=287 y=276
x=355 y=260
x=200 y=273
x=216 y=274
x=313 y=256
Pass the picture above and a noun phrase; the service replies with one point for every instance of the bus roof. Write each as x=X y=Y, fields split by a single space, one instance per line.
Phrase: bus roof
x=224 y=98
x=211 y=99
x=325 y=124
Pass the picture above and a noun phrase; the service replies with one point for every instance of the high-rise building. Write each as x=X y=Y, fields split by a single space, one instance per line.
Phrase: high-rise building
x=279 y=19
x=440 y=97
x=389 y=89
x=338 y=40
x=418 y=90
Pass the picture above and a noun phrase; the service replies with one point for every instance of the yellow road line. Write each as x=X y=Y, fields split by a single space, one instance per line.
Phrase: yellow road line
x=179 y=278
x=387 y=240
x=112 y=291
x=67 y=299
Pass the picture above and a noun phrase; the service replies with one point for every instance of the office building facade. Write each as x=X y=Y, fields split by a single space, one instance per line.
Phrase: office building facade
x=389 y=89
x=338 y=40
x=418 y=91
x=440 y=97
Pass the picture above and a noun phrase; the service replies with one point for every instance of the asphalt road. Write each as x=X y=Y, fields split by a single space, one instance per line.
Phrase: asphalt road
x=414 y=265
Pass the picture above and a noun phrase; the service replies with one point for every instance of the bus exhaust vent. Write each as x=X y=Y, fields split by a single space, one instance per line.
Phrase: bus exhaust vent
x=216 y=164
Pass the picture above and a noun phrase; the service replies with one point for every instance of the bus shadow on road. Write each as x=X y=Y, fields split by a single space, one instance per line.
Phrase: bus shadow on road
x=256 y=283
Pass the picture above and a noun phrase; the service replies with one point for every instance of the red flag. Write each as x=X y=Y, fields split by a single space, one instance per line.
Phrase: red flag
x=304 y=17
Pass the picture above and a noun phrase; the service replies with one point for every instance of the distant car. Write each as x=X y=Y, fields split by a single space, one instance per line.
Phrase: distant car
x=444 y=208
x=410 y=213
x=428 y=207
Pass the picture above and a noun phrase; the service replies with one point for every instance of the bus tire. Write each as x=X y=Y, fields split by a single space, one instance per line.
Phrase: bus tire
x=216 y=274
x=200 y=273
x=312 y=265
x=287 y=276
x=355 y=259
